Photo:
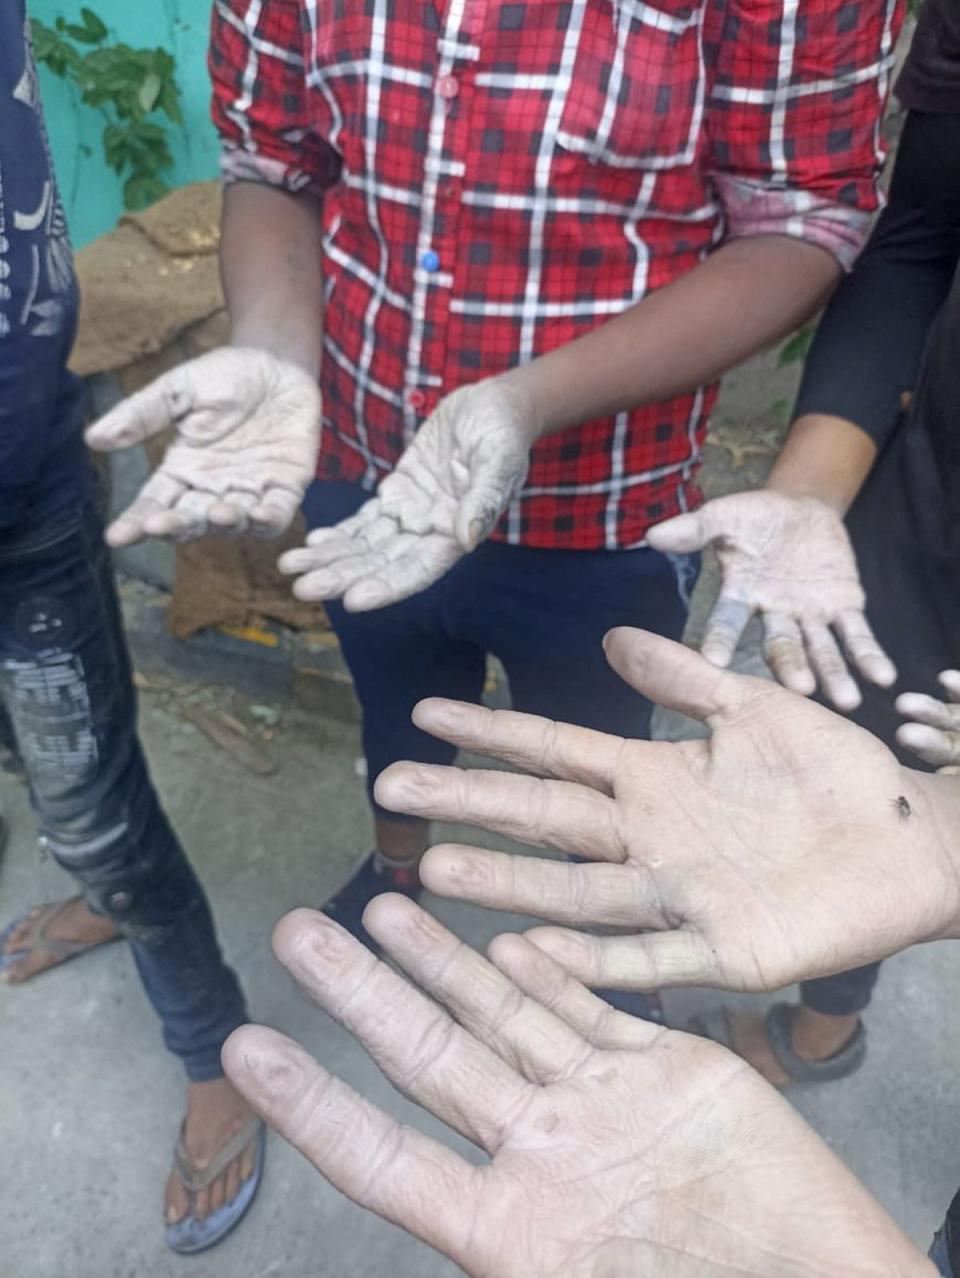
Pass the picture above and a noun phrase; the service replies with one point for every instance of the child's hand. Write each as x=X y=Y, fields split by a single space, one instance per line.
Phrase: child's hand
x=933 y=732
x=790 y=560
x=459 y=473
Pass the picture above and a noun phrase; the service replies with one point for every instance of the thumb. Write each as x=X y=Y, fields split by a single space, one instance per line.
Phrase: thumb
x=681 y=535
x=675 y=676
x=139 y=417
x=483 y=503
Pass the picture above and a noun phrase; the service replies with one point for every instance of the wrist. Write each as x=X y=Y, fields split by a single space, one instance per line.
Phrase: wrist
x=521 y=386
x=253 y=332
x=805 y=488
x=825 y=458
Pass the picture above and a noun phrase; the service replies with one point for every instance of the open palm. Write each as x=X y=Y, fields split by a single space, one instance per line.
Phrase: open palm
x=461 y=470
x=247 y=433
x=790 y=844
x=790 y=560
x=615 y=1147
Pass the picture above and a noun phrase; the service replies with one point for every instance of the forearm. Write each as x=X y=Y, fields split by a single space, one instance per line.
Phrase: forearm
x=271 y=264
x=824 y=457
x=870 y=342
x=744 y=297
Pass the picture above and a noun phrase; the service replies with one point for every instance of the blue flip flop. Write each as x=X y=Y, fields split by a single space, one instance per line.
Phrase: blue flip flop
x=62 y=950
x=189 y=1235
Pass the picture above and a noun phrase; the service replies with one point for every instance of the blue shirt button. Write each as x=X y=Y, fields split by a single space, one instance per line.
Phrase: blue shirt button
x=430 y=261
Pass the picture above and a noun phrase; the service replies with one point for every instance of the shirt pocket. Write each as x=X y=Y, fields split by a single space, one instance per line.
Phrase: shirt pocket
x=636 y=91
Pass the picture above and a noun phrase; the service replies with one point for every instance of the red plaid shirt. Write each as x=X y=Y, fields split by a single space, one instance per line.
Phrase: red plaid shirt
x=502 y=177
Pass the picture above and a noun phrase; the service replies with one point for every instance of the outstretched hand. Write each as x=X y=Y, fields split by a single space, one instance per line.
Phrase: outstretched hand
x=790 y=560
x=247 y=435
x=615 y=1147
x=789 y=844
x=933 y=733
x=456 y=478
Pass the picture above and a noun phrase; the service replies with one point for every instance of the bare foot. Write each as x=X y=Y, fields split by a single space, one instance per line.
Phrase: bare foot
x=71 y=921
x=814 y=1037
x=215 y=1112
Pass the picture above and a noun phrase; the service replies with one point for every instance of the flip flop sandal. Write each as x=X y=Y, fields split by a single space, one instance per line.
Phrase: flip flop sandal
x=778 y=1021
x=190 y=1235
x=39 y=940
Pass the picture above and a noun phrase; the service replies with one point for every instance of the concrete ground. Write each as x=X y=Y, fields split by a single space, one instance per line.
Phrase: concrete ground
x=90 y=1103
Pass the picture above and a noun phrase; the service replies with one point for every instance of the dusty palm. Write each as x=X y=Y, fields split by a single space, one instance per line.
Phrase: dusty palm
x=790 y=844
x=789 y=559
x=247 y=434
x=465 y=464
x=615 y=1148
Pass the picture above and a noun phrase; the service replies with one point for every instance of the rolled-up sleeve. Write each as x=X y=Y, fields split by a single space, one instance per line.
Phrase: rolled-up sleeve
x=796 y=91
x=260 y=98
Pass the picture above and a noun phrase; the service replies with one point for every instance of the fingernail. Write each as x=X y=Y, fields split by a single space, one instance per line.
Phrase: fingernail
x=477 y=530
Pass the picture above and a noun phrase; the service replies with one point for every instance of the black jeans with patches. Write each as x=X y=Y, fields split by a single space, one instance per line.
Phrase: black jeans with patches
x=65 y=683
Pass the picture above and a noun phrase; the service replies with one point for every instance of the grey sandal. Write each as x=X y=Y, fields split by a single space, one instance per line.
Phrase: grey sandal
x=715 y=1025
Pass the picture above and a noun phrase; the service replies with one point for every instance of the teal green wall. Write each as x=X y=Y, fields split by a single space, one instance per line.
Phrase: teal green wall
x=91 y=191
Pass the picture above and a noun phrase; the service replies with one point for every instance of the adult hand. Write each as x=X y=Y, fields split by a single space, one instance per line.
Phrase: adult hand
x=463 y=467
x=790 y=844
x=615 y=1147
x=934 y=731
x=790 y=559
x=247 y=434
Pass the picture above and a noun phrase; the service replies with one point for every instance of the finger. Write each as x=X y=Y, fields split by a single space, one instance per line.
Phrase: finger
x=830 y=667
x=555 y=814
x=674 y=676
x=274 y=512
x=525 y=1035
x=420 y=1049
x=481 y=507
x=335 y=580
x=864 y=649
x=381 y=537
x=189 y=519
x=369 y=513
x=576 y=895
x=923 y=709
x=390 y=1169
x=725 y=627
x=544 y=980
x=950 y=680
x=785 y=654
x=230 y=513
x=657 y=960
x=527 y=741
x=140 y=416
x=939 y=749
x=679 y=536
x=426 y=562
x=342 y=542
x=161 y=492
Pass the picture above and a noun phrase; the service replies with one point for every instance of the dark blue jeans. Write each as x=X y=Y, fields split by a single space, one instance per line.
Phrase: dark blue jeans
x=66 y=684
x=543 y=613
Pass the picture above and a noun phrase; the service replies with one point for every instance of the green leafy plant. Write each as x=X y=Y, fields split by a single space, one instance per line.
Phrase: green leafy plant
x=133 y=89
x=796 y=348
